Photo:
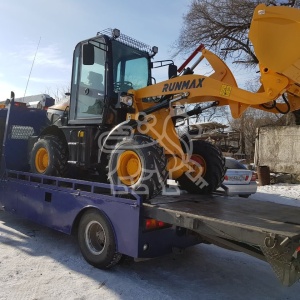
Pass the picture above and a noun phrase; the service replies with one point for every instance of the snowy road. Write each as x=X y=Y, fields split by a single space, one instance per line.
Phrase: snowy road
x=38 y=263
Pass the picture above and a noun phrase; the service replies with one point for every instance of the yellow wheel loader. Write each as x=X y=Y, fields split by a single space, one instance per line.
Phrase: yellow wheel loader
x=120 y=127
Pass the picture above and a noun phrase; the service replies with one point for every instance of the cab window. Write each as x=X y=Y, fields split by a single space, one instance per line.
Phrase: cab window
x=130 y=67
x=91 y=87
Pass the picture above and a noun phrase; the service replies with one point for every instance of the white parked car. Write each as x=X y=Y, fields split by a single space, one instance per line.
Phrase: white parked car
x=238 y=181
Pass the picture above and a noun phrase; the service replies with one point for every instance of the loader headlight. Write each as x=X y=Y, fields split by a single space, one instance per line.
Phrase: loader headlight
x=126 y=99
x=116 y=33
x=155 y=49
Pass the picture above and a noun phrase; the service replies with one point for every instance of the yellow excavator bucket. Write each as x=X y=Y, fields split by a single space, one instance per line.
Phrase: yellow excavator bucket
x=275 y=35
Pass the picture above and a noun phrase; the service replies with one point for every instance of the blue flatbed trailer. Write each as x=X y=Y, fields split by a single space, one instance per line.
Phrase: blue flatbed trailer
x=59 y=203
x=121 y=220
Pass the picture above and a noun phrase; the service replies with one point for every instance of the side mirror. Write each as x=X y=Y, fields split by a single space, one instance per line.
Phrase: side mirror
x=88 y=54
x=172 y=71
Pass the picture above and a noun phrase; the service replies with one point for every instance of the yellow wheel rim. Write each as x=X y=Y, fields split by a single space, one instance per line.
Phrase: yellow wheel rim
x=129 y=168
x=197 y=162
x=41 y=160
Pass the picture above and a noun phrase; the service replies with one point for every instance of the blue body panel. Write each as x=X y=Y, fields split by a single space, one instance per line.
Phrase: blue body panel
x=20 y=125
x=56 y=202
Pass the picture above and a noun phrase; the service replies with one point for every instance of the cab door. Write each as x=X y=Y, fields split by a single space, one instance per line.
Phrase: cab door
x=88 y=92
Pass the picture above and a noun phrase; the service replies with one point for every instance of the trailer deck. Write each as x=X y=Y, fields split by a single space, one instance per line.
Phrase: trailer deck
x=259 y=216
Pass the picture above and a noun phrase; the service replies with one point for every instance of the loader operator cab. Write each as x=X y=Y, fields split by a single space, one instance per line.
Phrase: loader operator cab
x=103 y=68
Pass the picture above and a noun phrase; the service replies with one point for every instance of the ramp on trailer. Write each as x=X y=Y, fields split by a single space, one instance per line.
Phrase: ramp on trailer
x=266 y=230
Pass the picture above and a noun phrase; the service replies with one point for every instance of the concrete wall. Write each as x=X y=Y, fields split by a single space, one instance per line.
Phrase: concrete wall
x=279 y=148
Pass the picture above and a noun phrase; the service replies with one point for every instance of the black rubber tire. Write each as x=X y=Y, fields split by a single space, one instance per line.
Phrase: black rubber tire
x=215 y=169
x=57 y=156
x=154 y=174
x=103 y=170
x=96 y=240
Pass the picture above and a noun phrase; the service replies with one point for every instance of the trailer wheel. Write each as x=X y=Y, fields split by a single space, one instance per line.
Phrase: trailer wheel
x=139 y=163
x=97 y=241
x=49 y=156
x=208 y=164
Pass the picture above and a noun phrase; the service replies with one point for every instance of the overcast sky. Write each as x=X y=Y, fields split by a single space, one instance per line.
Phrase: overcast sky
x=61 y=24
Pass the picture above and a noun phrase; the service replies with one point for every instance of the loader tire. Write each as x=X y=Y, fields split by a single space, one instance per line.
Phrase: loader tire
x=102 y=170
x=96 y=240
x=138 y=162
x=49 y=156
x=208 y=161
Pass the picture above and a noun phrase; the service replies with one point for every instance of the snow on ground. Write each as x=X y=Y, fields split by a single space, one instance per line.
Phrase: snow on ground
x=283 y=193
x=39 y=263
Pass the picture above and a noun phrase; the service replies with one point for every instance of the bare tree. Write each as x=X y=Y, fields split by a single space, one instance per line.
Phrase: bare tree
x=216 y=113
x=222 y=26
x=59 y=94
x=250 y=120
